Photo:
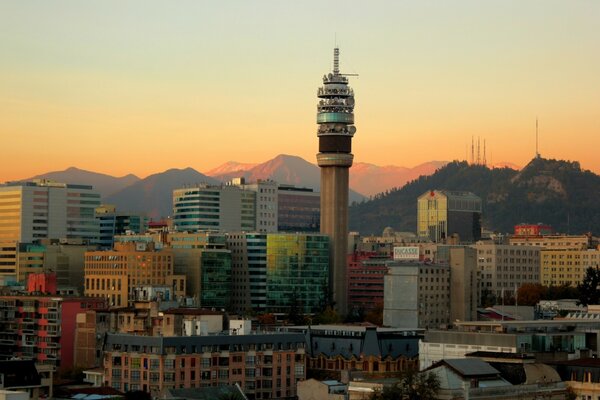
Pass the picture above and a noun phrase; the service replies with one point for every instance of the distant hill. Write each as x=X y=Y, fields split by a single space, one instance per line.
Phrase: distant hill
x=105 y=184
x=292 y=170
x=554 y=192
x=154 y=195
x=371 y=179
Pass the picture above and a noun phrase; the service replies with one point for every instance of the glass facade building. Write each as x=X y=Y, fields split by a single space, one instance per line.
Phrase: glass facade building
x=299 y=209
x=442 y=213
x=216 y=279
x=297 y=271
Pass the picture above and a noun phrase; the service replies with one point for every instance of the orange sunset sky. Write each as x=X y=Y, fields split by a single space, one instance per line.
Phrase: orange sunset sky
x=142 y=86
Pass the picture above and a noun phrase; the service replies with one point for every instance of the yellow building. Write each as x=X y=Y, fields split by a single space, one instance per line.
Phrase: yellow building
x=557 y=242
x=115 y=274
x=8 y=261
x=566 y=267
x=444 y=213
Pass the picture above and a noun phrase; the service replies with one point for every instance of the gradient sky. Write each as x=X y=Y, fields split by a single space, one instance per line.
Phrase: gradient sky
x=143 y=86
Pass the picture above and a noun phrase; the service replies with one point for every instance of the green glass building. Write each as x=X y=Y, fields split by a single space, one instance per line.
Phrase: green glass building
x=297 y=271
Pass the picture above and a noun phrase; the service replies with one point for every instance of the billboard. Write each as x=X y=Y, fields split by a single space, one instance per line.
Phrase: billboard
x=406 y=253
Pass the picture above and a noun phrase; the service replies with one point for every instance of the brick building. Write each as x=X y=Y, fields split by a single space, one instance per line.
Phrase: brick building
x=266 y=366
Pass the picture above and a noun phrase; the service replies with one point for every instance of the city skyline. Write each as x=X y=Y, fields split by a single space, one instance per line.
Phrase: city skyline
x=140 y=87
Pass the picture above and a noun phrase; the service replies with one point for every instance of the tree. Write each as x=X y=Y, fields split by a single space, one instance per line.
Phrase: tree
x=375 y=316
x=266 y=319
x=328 y=316
x=529 y=294
x=412 y=385
x=589 y=292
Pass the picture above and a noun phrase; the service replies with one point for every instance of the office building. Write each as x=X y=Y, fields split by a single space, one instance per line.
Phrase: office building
x=566 y=267
x=444 y=213
x=264 y=365
x=112 y=223
x=248 y=271
x=297 y=272
x=366 y=272
x=558 y=242
x=335 y=117
x=205 y=261
x=115 y=274
x=44 y=209
x=416 y=295
x=224 y=208
x=299 y=209
x=504 y=268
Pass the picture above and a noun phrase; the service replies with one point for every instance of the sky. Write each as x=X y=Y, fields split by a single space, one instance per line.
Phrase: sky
x=139 y=87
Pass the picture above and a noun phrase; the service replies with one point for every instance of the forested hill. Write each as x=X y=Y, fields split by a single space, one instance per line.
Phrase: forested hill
x=555 y=192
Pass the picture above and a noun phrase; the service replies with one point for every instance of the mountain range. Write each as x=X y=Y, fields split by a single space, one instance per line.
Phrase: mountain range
x=105 y=184
x=152 y=195
x=554 y=192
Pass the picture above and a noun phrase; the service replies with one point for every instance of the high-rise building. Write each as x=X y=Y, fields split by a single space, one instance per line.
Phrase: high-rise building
x=248 y=270
x=335 y=117
x=44 y=209
x=297 y=271
x=444 y=213
x=113 y=223
x=417 y=295
x=464 y=281
x=366 y=272
x=226 y=208
x=298 y=209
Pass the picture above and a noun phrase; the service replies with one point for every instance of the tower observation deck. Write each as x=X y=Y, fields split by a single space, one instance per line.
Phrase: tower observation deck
x=335 y=119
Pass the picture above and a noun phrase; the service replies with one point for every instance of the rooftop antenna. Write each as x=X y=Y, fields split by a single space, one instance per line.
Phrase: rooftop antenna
x=537 y=152
x=472 y=150
x=478 y=150
x=484 y=160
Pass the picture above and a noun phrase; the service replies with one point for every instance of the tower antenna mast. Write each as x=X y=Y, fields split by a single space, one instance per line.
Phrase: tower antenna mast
x=537 y=151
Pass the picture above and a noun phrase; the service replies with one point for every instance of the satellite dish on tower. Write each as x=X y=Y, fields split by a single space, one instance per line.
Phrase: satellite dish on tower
x=352 y=129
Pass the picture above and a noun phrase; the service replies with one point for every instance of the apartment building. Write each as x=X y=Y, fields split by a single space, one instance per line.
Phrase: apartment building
x=266 y=366
x=42 y=328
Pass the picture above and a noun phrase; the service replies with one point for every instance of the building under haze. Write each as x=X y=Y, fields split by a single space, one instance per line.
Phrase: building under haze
x=335 y=118
x=443 y=213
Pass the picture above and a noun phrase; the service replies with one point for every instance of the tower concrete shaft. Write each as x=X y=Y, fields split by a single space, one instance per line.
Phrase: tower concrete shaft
x=335 y=117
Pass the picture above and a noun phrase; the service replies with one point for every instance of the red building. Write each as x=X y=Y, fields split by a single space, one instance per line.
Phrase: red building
x=41 y=283
x=533 y=230
x=366 y=271
x=42 y=328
